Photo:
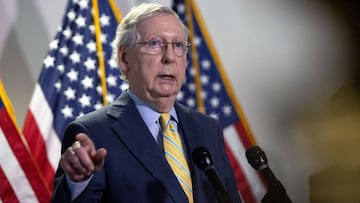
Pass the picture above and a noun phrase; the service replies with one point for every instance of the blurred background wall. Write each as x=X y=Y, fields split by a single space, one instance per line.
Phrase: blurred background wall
x=285 y=61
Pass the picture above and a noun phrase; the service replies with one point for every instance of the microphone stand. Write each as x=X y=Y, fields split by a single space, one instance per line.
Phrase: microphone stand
x=219 y=190
x=203 y=161
x=276 y=192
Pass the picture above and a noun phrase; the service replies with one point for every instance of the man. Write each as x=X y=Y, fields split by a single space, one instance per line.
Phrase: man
x=124 y=152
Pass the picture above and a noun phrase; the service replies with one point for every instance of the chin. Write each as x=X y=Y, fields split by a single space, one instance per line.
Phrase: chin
x=168 y=93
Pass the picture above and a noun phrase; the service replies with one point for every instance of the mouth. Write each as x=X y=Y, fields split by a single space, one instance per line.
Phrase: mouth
x=167 y=77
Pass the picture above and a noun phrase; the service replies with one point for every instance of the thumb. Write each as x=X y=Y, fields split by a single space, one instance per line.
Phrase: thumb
x=99 y=158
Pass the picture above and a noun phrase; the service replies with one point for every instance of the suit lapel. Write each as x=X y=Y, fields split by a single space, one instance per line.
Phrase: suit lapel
x=189 y=127
x=193 y=139
x=133 y=132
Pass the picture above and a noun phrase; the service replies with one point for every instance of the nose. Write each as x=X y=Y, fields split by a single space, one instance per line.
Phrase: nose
x=168 y=54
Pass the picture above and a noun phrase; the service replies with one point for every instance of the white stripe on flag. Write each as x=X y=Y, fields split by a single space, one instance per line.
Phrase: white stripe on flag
x=44 y=119
x=14 y=173
x=236 y=146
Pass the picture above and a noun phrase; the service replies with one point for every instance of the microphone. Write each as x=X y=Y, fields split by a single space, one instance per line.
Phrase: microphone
x=204 y=162
x=276 y=191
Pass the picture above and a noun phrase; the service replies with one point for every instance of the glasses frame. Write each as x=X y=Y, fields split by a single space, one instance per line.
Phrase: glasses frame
x=164 y=44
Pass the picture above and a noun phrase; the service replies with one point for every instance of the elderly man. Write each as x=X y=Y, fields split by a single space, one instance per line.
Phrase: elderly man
x=138 y=148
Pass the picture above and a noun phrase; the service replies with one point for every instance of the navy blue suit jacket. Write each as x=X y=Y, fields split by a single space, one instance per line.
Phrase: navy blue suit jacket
x=135 y=169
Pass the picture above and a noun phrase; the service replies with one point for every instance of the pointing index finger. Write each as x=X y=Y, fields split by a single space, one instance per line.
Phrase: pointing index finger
x=85 y=142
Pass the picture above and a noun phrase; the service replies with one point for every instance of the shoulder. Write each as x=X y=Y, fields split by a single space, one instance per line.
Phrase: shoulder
x=112 y=111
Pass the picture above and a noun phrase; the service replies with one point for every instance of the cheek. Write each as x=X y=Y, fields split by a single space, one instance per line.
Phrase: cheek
x=148 y=65
x=147 y=70
x=182 y=75
x=182 y=70
x=138 y=66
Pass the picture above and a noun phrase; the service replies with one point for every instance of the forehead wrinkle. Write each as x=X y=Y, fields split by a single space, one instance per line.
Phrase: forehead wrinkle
x=153 y=31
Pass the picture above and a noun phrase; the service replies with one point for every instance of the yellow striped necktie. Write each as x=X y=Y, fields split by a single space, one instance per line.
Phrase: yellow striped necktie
x=174 y=154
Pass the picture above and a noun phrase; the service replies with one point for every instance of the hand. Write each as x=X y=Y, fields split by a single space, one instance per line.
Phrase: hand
x=82 y=159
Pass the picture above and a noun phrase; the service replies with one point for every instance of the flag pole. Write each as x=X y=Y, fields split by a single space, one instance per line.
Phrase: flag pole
x=194 y=57
x=116 y=10
x=100 y=53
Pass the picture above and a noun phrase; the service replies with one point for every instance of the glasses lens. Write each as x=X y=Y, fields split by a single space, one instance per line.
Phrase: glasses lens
x=154 y=45
x=179 y=48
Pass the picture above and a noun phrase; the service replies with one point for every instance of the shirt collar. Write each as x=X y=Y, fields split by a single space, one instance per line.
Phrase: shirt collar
x=148 y=114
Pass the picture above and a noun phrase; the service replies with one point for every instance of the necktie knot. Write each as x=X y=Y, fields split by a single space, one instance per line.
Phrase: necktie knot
x=165 y=119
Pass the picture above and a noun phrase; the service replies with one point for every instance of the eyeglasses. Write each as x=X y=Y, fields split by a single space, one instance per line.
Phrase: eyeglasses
x=157 y=45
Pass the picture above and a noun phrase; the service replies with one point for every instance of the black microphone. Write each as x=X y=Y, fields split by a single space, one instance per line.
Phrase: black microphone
x=276 y=191
x=204 y=162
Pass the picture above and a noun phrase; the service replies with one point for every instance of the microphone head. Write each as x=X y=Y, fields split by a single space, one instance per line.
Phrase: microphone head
x=256 y=157
x=202 y=158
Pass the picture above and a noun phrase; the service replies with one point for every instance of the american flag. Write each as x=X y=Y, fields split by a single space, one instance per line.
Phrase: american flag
x=208 y=90
x=20 y=178
x=77 y=74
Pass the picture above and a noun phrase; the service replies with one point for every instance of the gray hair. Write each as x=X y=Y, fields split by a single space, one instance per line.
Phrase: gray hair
x=126 y=33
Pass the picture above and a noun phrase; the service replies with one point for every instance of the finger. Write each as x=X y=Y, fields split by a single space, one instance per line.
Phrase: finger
x=72 y=173
x=85 y=159
x=78 y=166
x=66 y=165
x=70 y=168
x=99 y=158
x=86 y=142
x=71 y=151
x=83 y=163
x=72 y=156
x=76 y=145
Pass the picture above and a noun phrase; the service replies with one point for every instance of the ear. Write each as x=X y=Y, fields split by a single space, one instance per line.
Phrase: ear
x=122 y=58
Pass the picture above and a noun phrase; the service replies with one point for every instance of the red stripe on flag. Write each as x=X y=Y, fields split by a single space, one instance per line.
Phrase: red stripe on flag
x=241 y=180
x=242 y=133
x=7 y=193
x=24 y=158
x=38 y=148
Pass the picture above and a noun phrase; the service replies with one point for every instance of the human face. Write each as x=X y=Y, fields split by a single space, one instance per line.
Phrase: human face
x=154 y=77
